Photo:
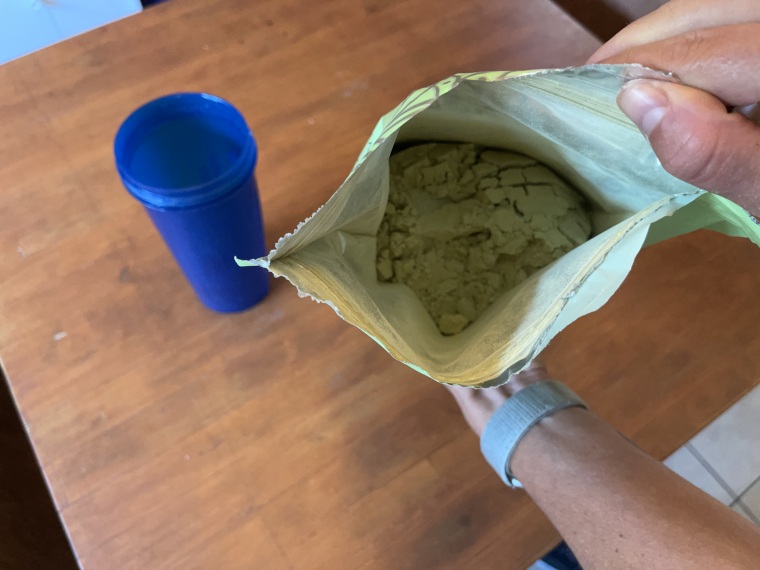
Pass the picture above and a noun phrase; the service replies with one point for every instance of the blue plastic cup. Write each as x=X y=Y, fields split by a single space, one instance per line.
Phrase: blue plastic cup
x=189 y=159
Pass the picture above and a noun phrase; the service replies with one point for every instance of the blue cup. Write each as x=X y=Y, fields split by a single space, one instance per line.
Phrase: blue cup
x=189 y=159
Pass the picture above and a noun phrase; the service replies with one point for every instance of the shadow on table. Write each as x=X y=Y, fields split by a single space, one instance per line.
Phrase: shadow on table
x=31 y=535
x=605 y=18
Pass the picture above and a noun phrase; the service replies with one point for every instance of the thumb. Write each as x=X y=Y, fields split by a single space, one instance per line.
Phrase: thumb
x=697 y=139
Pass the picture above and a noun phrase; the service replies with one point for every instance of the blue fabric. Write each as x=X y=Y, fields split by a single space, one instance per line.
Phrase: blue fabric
x=562 y=558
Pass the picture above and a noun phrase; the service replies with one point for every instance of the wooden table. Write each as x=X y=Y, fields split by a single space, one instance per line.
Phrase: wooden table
x=172 y=437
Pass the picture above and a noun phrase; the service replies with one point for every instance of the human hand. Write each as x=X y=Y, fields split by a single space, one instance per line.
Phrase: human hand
x=713 y=47
x=479 y=405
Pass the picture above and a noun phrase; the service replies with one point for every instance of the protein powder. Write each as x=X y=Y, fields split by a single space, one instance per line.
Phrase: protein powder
x=464 y=224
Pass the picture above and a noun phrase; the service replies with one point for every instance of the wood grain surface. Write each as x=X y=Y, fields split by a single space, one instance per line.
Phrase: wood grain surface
x=605 y=18
x=172 y=437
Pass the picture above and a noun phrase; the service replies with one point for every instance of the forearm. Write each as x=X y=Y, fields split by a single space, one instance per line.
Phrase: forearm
x=619 y=508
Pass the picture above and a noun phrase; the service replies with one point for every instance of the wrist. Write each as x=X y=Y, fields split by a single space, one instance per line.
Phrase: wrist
x=511 y=423
x=566 y=431
x=548 y=428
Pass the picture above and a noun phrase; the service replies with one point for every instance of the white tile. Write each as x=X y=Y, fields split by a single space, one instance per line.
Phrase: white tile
x=685 y=464
x=737 y=508
x=730 y=443
x=751 y=499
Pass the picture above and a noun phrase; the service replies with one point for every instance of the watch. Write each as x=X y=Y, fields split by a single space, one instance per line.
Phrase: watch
x=516 y=416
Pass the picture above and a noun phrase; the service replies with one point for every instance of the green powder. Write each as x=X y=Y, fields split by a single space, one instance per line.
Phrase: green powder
x=464 y=224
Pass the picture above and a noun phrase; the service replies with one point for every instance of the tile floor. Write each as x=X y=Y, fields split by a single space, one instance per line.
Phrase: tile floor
x=724 y=458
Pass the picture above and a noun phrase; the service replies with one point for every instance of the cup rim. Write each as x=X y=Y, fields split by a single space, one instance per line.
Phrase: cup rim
x=171 y=107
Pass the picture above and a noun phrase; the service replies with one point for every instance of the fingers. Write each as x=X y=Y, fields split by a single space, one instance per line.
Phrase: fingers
x=478 y=406
x=697 y=139
x=678 y=17
x=462 y=393
x=714 y=47
x=534 y=372
x=724 y=61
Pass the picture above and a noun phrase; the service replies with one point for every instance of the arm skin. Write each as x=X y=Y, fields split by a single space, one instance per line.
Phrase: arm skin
x=619 y=508
x=615 y=506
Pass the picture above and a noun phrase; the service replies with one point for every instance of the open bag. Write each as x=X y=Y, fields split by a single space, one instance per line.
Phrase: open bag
x=565 y=118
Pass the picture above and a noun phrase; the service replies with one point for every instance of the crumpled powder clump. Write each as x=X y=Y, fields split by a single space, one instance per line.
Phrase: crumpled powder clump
x=465 y=223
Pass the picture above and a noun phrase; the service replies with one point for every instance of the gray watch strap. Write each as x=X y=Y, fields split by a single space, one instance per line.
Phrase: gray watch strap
x=516 y=416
